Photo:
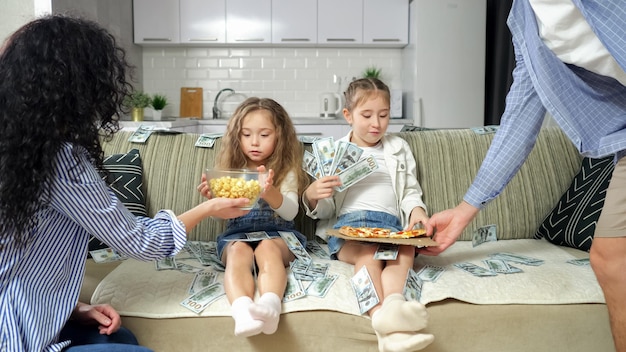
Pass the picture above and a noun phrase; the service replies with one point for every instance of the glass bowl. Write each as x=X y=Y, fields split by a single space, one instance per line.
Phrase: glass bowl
x=236 y=183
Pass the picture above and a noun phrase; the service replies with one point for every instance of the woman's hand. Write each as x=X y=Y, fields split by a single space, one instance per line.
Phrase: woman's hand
x=107 y=318
x=203 y=187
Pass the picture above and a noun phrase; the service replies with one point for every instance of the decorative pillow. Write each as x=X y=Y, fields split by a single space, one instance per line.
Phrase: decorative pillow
x=572 y=222
x=126 y=180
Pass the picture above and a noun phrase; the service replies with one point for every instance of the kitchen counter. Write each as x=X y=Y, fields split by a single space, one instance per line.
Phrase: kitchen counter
x=183 y=122
x=304 y=126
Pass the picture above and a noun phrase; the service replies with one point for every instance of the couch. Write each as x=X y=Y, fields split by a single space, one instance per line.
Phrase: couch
x=447 y=161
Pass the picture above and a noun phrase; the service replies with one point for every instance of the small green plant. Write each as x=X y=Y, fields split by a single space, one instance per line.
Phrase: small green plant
x=138 y=99
x=372 y=72
x=159 y=101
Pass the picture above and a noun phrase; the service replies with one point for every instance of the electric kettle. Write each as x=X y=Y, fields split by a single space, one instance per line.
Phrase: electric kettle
x=330 y=105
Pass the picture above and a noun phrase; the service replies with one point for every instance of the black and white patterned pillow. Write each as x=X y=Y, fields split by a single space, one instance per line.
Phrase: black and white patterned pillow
x=125 y=177
x=572 y=222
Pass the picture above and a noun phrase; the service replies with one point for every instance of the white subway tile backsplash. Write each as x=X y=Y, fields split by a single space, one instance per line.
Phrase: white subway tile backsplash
x=295 y=77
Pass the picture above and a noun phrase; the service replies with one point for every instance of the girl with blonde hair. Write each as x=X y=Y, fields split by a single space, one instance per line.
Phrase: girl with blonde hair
x=260 y=136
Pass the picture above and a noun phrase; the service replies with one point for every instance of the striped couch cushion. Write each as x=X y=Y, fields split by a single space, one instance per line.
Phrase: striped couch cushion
x=447 y=161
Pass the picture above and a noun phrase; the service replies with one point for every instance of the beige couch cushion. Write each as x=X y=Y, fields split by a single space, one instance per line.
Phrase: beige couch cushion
x=448 y=160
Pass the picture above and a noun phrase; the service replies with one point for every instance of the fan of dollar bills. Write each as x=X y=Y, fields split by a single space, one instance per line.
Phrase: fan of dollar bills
x=339 y=158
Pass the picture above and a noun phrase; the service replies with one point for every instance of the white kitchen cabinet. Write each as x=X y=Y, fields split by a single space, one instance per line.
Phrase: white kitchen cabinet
x=340 y=23
x=156 y=21
x=294 y=22
x=249 y=22
x=386 y=22
x=203 y=22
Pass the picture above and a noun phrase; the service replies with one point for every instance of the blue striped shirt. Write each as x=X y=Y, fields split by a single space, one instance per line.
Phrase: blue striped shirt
x=41 y=280
x=590 y=108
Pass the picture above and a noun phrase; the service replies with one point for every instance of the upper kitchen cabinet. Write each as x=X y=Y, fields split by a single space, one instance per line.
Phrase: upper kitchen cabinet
x=203 y=22
x=249 y=22
x=156 y=22
x=294 y=22
x=386 y=22
x=340 y=22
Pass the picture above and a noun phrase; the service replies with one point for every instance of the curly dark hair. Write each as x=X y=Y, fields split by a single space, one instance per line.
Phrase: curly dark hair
x=63 y=80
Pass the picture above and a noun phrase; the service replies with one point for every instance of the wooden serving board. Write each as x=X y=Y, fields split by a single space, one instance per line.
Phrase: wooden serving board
x=414 y=241
x=191 y=102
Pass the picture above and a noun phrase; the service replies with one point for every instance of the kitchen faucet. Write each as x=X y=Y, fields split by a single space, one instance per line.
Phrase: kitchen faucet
x=216 y=111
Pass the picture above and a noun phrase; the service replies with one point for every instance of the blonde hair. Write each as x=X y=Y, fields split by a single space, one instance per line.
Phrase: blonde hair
x=363 y=89
x=288 y=151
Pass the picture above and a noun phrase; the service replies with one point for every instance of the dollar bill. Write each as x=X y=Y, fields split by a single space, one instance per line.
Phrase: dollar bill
x=579 y=262
x=295 y=246
x=485 y=129
x=203 y=298
x=474 y=269
x=186 y=268
x=106 y=255
x=251 y=237
x=340 y=148
x=350 y=155
x=201 y=280
x=294 y=289
x=431 y=272
x=167 y=263
x=484 y=234
x=207 y=140
x=320 y=286
x=316 y=249
x=413 y=286
x=318 y=270
x=141 y=134
x=386 y=251
x=517 y=258
x=324 y=151
x=357 y=172
x=364 y=290
x=311 y=165
x=501 y=267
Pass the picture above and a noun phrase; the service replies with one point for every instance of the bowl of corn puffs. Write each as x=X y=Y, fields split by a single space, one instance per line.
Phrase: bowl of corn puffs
x=236 y=183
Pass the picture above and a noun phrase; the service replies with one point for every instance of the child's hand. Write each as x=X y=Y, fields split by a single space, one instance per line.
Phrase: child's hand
x=269 y=180
x=203 y=187
x=322 y=188
x=418 y=218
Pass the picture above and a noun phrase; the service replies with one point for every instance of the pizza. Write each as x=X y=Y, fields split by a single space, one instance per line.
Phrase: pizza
x=376 y=232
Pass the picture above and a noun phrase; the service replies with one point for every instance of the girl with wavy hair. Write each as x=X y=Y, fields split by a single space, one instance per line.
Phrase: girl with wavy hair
x=260 y=136
x=63 y=81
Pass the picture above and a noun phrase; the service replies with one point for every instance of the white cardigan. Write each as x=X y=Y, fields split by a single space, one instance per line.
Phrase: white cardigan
x=398 y=156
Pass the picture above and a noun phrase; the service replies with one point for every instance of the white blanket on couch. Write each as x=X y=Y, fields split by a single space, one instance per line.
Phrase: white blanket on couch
x=137 y=289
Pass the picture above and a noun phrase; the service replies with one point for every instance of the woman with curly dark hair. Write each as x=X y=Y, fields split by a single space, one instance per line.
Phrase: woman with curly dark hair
x=62 y=84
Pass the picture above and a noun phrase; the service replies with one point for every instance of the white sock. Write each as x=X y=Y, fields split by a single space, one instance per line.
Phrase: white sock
x=267 y=309
x=398 y=315
x=245 y=324
x=403 y=342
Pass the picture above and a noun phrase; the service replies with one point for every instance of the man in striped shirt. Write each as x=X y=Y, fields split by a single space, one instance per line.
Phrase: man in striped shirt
x=571 y=58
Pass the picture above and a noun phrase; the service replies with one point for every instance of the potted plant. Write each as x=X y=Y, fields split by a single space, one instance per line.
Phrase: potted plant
x=372 y=72
x=137 y=101
x=158 y=103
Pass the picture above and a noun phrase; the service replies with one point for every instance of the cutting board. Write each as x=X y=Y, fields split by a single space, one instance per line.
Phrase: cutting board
x=191 y=102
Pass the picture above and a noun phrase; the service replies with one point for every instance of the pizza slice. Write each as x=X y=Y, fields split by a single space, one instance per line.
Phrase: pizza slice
x=376 y=232
x=408 y=233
